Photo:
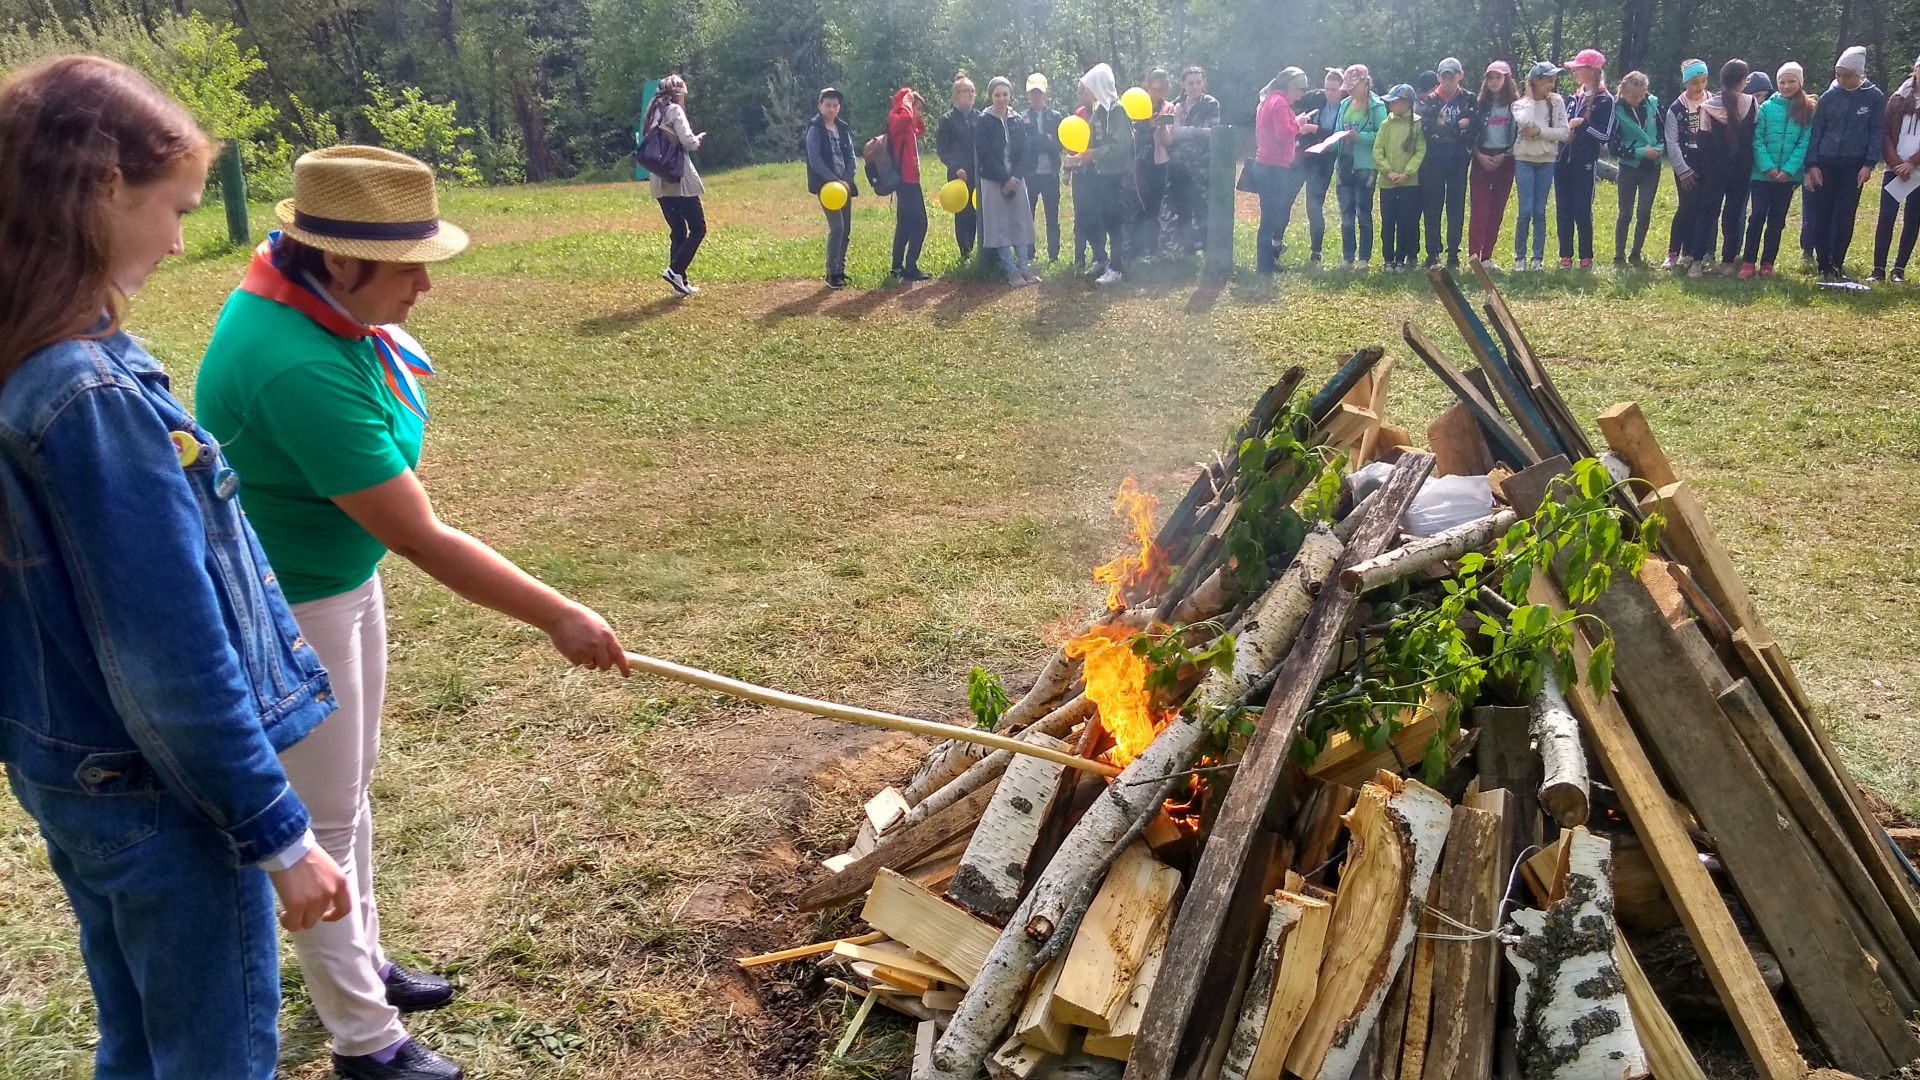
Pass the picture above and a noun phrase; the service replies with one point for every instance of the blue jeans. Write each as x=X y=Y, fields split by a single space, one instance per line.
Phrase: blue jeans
x=179 y=940
x=1013 y=260
x=1355 y=189
x=1535 y=181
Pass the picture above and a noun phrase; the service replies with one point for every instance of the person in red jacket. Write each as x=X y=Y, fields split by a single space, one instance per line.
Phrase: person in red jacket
x=906 y=123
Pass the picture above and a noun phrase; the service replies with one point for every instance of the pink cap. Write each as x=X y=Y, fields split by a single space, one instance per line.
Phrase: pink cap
x=1589 y=58
x=1356 y=73
x=1502 y=67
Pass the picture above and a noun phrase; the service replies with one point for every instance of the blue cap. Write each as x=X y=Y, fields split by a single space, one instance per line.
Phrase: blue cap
x=1402 y=92
x=1544 y=70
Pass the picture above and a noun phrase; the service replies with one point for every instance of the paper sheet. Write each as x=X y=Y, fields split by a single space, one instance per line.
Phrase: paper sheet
x=1329 y=142
x=1900 y=188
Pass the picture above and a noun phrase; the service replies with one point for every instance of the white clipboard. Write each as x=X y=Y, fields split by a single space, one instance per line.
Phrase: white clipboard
x=1900 y=187
x=1329 y=142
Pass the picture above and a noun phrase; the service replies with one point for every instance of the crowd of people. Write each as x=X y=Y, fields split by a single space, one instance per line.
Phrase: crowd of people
x=1433 y=161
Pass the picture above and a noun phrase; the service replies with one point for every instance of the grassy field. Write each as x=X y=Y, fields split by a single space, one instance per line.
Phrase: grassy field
x=861 y=495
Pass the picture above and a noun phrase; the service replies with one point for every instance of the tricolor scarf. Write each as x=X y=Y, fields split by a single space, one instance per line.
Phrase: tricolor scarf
x=401 y=357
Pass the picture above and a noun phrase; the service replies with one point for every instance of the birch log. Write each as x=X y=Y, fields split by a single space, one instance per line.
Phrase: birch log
x=952 y=758
x=1398 y=829
x=994 y=868
x=1563 y=757
x=1270 y=627
x=1574 y=1019
x=1055 y=725
x=1416 y=555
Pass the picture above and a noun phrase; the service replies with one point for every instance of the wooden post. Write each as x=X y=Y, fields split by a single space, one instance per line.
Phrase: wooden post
x=233 y=195
x=1223 y=170
x=1466 y=979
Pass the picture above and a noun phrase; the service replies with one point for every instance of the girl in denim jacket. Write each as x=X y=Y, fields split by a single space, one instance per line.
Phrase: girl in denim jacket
x=150 y=672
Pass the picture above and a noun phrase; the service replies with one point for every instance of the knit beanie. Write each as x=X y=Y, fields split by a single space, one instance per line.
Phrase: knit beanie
x=1854 y=60
x=1793 y=67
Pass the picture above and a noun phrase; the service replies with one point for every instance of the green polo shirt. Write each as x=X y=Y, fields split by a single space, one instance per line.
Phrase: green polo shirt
x=303 y=416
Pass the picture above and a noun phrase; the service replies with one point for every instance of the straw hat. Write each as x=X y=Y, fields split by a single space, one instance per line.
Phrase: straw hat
x=368 y=203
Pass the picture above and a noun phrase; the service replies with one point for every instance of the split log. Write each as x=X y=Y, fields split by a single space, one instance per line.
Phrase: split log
x=1520 y=829
x=1117 y=1041
x=1409 y=1055
x=1316 y=830
x=1575 y=1023
x=885 y=810
x=1036 y=1025
x=1349 y=427
x=1113 y=940
x=1398 y=830
x=1627 y=433
x=923 y=1036
x=994 y=868
x=1466 y=982
x=1223 y=860
x=1667 y=1053
x=1259 y=999
x=1275 y=620
x=994 y=996
x=1016 y=1060
x=902 y=848
x=922 y=921
x=1416 y=555
x=1286 y=980
x=1563 y=759
x=1459 y=449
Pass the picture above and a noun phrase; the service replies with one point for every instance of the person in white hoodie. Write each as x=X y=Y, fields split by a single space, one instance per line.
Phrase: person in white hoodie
x=679 y=199
x=1540 y=118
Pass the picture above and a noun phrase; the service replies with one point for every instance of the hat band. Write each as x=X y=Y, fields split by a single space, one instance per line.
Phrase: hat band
x=338 y=229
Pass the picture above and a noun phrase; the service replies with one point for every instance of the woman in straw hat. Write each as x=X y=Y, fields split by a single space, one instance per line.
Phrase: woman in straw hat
x=152 y=671
x=314 y=389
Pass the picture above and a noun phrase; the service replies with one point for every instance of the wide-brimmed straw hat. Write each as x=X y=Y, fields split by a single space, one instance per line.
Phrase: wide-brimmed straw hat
x=368 y=203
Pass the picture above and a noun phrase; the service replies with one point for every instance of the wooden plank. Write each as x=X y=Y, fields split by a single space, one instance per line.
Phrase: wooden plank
x=1466 y=973
x=904 y=847
x=802 y=952
x=922 y=921
x=1628 y=435
x=1117 y=1042
x=1791 y=903
x=1410 y=1053
x=1512 y=390
x=1520 y=829
x=1112 y=941
x=1357 y=368
x=1666 y=1050
x=1459 y=449
x=1783 y=670
x=1349 y=427
x=853 y=1027
x=898 y=960
x=1874 y=922
x=992 y=872
x=887 y=809
x=1216 y=878
x=1399 y=828
x=1036 y=1025
x=1346 y=760
x=942 y=1000
x=1651 y=811
x=1692 y=538
x=1506 y=444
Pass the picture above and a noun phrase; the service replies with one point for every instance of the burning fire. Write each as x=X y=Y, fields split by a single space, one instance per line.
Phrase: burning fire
x=1146 y=572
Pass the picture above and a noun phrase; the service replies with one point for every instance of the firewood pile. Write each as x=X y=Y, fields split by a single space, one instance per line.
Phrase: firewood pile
x=1394 y=763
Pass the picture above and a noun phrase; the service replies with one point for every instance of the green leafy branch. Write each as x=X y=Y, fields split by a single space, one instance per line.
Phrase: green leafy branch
x=987 y=697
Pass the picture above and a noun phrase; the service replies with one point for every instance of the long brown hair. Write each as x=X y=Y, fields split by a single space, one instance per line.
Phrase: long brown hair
x=1508 y=93
x=67 y=127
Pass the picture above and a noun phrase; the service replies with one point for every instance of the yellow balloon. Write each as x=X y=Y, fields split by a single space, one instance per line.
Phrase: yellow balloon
x=976 y=200
x=834 y=195
x=1075 y=135
x=953 y=197
x=1137 y=104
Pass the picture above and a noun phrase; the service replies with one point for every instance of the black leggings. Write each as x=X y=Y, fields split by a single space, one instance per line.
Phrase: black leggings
x=1638 y=185
x=687 y=223
x=1883 y=233
x=909 y=226
x=1767 y=220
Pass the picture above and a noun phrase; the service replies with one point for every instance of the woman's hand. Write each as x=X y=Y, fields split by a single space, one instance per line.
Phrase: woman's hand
x=1396 y=177
x=1866 y=175
x=1576 y=123
x=1649 y=152
x=585 y=639
x=1903 y=170
x=1007 y=188
x=1308 y=127
x=1685 y=182
x=312 y=891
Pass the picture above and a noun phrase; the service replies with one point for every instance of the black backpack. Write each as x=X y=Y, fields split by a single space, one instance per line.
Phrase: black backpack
x=883 y=172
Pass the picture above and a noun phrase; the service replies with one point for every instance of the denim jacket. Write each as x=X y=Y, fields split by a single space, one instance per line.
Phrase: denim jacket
x=144 y=646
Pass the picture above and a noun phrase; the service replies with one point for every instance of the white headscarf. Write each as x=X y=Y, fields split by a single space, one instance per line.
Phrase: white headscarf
x=1283 y=82
x=1099 y=82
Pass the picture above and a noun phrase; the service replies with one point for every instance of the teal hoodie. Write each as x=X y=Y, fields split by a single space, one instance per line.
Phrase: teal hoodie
x=1778 y=142
x=1357 y=152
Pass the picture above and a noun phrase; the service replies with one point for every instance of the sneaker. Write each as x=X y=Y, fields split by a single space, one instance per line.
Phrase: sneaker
x=1898 y=277
x=1346 y=264
x=1697 y=270
x=1809 y=259
x=1314 y=258
x=1490 y=266
x=1746 y=272
x=1766 y=270
x=836 y=283
x=1619 y=262
x=1586 y=264
x=1728 y=269
x=1674 y=262
x=411 y=1062
x=1021 y=281
x=914 y=273
x=1539 y=266
x=1566 y=264
x=680 y=287
x=1097 y=271
x=1453 y=262
x=1878 y=275
x=1638 y=262
x=1109 y=277
x=1363 y=265
x=1032 y=278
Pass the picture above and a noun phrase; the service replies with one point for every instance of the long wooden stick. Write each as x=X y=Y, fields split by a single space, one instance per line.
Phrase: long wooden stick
x=850 y=714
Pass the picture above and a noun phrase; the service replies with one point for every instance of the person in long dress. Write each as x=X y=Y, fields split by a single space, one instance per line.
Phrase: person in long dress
x=1003 y=146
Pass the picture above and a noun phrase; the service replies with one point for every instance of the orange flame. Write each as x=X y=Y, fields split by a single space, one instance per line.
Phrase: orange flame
x=1116 y=681
x=1144 y=573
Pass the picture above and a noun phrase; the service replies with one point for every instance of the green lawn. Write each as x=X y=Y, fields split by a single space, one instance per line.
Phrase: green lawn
x=862 y=495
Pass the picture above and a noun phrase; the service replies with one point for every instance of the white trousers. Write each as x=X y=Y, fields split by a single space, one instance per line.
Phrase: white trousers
x=330 y=770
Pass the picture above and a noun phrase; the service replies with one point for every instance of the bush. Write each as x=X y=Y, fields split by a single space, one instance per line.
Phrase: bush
x=411 y=124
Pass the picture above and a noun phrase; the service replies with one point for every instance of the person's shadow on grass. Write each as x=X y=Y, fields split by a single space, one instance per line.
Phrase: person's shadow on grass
x=619 y=322
x=805 y=304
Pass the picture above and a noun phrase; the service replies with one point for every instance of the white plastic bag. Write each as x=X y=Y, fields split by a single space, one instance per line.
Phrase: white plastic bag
x=1447 y=501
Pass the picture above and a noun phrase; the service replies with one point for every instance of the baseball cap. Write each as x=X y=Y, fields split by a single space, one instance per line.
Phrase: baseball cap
x=1589 y=58
x=1402 y=92
x=1502 y=67
x=1037 y=81
x=1544 y=70
x=1451 y=66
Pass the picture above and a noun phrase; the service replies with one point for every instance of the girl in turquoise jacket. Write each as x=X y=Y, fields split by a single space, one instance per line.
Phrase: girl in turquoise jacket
x=1354 y=173
x=1782 y=131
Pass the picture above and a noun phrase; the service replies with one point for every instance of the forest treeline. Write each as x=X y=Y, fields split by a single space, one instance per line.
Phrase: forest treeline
x=508 y=90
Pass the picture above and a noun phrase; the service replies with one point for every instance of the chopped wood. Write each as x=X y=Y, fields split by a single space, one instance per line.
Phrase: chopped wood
x=802 y=952
x=1036 y=1025
x=923 y=1036
x=941 y=1000
x=887 y=809
x=1390 y=1034
x=1410 y=1053
x=1329 y=396
x=1667 y=1052
x=1224 y=982
x=1627 y=434
x=936 y=874
x=1693 y=539
x=1016 y=1060
x=1651 y=811
x=1113 y=940
x=840 y=862
x=1458 y=447
x=1466 y=979
x=1349 y=427
x=1563 y=759
x=922 y=921
x=897 y=958
x=1398 y=830
x=853 y=1027
x=1639 y=900
x=897 y=981
x=1519 y=830
x=1259 y=998
x=1346 y=760
x=1216 y=878
x=1505 y=755
x=994 y=868
x=1418 y=554
x=1764 y=851
x=1299 y=952
x=1318 y=826
x=1575 y=1023
x=904 y=847
x=1056 y=724
x=1117 y=1042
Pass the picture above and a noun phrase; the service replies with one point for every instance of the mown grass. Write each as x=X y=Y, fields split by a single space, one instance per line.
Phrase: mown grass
x=862 y=495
